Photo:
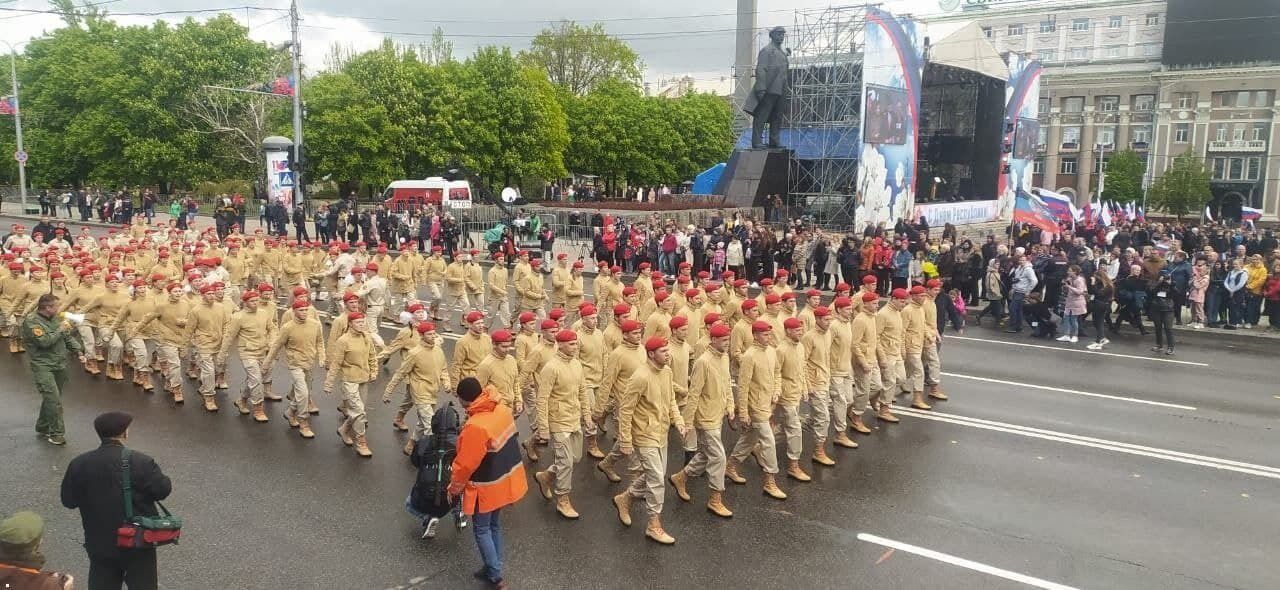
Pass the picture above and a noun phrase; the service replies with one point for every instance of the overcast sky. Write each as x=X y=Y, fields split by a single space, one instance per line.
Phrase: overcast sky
x=673 y=37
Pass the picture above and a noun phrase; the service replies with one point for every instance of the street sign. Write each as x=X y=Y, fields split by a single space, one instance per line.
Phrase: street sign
x=20 y=156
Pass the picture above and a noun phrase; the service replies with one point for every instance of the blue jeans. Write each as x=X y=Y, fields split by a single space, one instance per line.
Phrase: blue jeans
x=1071 y=325
x=1015 y=310
x=667 y=263
x=1252 y=308
x=1235 y=308
x=489 y=541
x=1213 y=305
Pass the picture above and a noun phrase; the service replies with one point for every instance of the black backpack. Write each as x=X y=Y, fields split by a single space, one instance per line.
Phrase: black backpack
x=433 y=456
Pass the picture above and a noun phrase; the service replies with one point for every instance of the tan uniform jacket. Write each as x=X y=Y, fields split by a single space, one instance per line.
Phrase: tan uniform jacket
x=206 y=324
x=711 y=395
x=254 y=330
x=618 y=369
x=757 y=383
x=501 y=373
x=303 y=343
x=562 y=395
x=468 y=351
x=817 y=359
x=841 y=358
x=889 y=333
x=913 y=328
x=792 y=371
x=352 y=356
x=647 y=408
x=425 y=369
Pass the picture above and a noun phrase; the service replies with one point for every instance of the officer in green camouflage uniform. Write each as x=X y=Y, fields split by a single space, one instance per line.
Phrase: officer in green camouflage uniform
x=47 y=339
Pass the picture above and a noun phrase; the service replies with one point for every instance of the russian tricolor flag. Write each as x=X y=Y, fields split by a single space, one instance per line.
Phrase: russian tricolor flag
x=1060 y=205
x=1250 y=214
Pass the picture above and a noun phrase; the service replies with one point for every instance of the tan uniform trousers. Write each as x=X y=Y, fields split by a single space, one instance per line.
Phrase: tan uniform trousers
x=253 y=390
x=759 y=434
x=353 y=395
x=499 y=308
x=709 y=459
x=590 y=428
x=915 y=371
x=300 y=395
x=138 y=348
x=841 y=395
x=893 y=380
x=650 y=465
x=932 y=363
x=865 y=384
x=114 y=346
x=170 y=365
x=207 y=363
x=88 y=340
x=793 y=431
x=819 y=414
x=455 y=304
x=566 y=449
x=422 y=426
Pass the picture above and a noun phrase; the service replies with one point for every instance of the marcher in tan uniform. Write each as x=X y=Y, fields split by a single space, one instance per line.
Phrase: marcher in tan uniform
x=758 y=390
x=303 y=342
x=530 y=372
x=680 y=351
x=171 y=334
x=433 y=269
x=11 y=287
x=889 y=350
x=354 y=358
x=475 y=281
x=711 y=403
x=125 y=327
x=532 y=293
x=619 y=368
x=455 y=300
x=254 y=332
x=404 y=341
x=841 y=372
x=658 y=322
x=470 y=349
x=913 y=336
x=817 y=351
x=932 y=342
x=794 y=385
x=575 y=291
x=646 y=412
x=427 y=374
x=497 y=293
x=560 y=276
x=206 y=323
x=591 y=353
x=866 y=364
x=500 y=370
x=105 y=308
x=563 y=407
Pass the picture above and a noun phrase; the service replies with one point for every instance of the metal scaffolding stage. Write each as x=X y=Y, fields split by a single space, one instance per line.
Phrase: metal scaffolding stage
x=825 y=110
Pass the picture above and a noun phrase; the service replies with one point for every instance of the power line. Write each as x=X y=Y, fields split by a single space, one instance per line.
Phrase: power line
x=227 y=9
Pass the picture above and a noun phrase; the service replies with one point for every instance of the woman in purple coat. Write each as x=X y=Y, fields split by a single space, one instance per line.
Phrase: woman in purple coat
x=1074 y=307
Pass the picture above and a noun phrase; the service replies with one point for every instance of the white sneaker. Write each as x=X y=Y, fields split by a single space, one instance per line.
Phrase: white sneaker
x=1247 y=326
x=1094 y=346
x=1064 y=338
x=429 y=532
x=1105 y=341
x=1075 y=339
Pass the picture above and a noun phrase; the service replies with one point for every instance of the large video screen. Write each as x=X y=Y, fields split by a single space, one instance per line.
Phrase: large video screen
x=887 y=115
x=1205 y=32
x=1025 y=137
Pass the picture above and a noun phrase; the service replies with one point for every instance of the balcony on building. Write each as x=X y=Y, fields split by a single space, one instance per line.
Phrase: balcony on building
x=1069 y=146
x=1239 y=145
x=1139 y=145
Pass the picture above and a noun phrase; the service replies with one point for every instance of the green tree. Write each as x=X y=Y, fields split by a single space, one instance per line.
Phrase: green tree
x=350 y=135
x=577 y=58
x=1123 y=182
x=1183 y=188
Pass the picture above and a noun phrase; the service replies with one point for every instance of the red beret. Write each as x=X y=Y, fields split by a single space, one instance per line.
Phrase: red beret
x=299 y=291
x=621 y=309
x=424 y=327
x=562 y=256
x=566 y=336
x=899 y=294
x=615 y=269
x=644 y=266
x=792 y=323
x=933 y=283
x=917 y=290
x=630 y=326
x=628 y=291
x=355 y=315
x=357 y=269
x=500 y=336
x=556 y=313
x=586 y=309
x=760 y=326
x=842 y=302
x=658 y=285
x=474 y=316
x=173 y=285
x=536 y=262
x=549 y=324
x=870 y=297
x=719 y=331
x=702 y=274
x=661 y=296
x=678 y=322
x=740 y=282
x=579 y=265
x=437 y=249
x=15 y=266
x=654 y=343
x=869 y=280
x=789 y=296
x=657 y=276
x=842 y=287
x=813 y=293
x=683 y=279
x=372 y=266
x=247 y=295
x=349 y=296
x=821 y=311
x=685 y=265
x=691 y=293
x=766 y=282
x=265 y=288
x=711 y=318
x=527 y=316
x=416 y=306
x=57 y=274
x=205 y=290
x=301 y=303
x=749 y=304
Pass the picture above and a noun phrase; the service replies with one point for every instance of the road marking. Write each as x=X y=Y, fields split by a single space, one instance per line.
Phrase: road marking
x=1073 y=391
x=962 y=562
x=1065 y=349
x=1097 y=443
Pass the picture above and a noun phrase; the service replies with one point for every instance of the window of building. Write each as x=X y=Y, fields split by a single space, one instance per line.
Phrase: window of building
x=1151 y=49
x=986 y=32
x=1044 y=106
x=1153 y=18
x=1185 y=100
x=1224 y=99
x=1067 y=166
x=1042 y=136
x=1115 y=22
x=1080 y=25
x=1144 y=102
x=1114 y=51
x=1049 y=25
x=1099 y=166
x=1259 y=132
x=1220 y=132
x=1108 y=104
x=1071 y=136
x=1262 y=98
x=1181 y=132
x=1073 y=104
x=1048 y=55
x=1235 y=169
x=1106 y=136
x=1079 y=53
x=1015 y=30
x=1242 y=98
x=1237 y=133
x=1142 y=134
x=1219 y=168
x=1037 y=166
x=1253 y=169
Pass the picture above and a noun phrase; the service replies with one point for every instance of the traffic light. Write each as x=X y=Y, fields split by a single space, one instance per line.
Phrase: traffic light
x=296 y=155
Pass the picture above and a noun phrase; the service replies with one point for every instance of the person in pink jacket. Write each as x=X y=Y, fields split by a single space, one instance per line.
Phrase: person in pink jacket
x=1195 y=294
x=1074 y=306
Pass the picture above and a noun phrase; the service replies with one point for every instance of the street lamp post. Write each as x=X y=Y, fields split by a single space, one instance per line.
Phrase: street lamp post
x=17 y=125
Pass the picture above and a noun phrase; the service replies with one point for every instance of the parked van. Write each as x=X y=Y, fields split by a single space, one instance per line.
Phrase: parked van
x=410 y=194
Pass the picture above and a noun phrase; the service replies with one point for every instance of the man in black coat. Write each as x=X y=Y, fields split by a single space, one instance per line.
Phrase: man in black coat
x=93 y=483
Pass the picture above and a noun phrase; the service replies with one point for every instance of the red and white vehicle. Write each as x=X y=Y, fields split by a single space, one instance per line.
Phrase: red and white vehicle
x=410 y=194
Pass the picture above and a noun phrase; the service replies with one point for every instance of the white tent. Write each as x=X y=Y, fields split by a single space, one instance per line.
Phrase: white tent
x=968 y=49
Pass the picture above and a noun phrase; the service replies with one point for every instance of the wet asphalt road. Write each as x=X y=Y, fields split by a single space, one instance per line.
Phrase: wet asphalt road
x=1117 y=470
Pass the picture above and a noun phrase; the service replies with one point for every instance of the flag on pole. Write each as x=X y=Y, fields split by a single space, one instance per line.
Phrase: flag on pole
x=7 y=106
x=1250 y=214
x=1059 y=205
x=283 y=86
x=1031 y=210
x=1104 y=214
x=1142 y=217
x=1207 y=214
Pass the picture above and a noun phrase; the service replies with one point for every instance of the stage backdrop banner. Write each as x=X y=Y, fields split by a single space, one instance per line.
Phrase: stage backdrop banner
x=892 y=66
x=279 y=178
x=961 y=213
x=1022 y=128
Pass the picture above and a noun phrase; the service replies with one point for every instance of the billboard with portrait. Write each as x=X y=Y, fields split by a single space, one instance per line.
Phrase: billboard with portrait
x=892 y=66
x=1022 y=129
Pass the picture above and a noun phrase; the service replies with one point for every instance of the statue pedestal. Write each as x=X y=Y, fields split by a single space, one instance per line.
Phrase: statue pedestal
x=751 y=175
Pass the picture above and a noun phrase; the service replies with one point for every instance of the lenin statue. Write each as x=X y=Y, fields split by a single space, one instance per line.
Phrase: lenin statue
x=768 y=95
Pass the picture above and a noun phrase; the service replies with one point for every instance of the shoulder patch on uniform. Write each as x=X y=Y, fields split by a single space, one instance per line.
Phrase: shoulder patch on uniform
x=37 y=331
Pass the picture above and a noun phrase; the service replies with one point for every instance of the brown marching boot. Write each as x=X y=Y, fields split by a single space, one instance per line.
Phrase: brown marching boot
x=177 y=394
x=771 y=488
x=565 y=508
x=715 y=505
x=884 y=415
x=543 y=479
x=606 y=467
x=210 y=404
x=270 y=395
x=13 y=345
x=114 y=372
x=654 y=531
x=398 y=422
x=137 y=378
x=623 y=503
x=304 y=428
x=917 y=401
x=593 y=447
x=820 y=456
x=91 y=365
x=311 y=407
x=408 y=447
x=362 y=446
x=680 y=481
x=259 y=413
x=145 y=380
x=935 y=392
x=220 y=382
x=291 y=418
x=531 y=449
x=731 y=472
x=242 y=405
x=795 y=472
x=344 y=432
x=859 y=426
x=843 y=440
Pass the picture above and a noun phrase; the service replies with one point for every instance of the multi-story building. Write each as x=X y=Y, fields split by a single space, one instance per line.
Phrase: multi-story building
x=1105 y=88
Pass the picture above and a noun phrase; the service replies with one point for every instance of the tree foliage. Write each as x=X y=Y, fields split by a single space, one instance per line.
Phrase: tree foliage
x=1183 y=188
x=1123 y=182
x=578 y=58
